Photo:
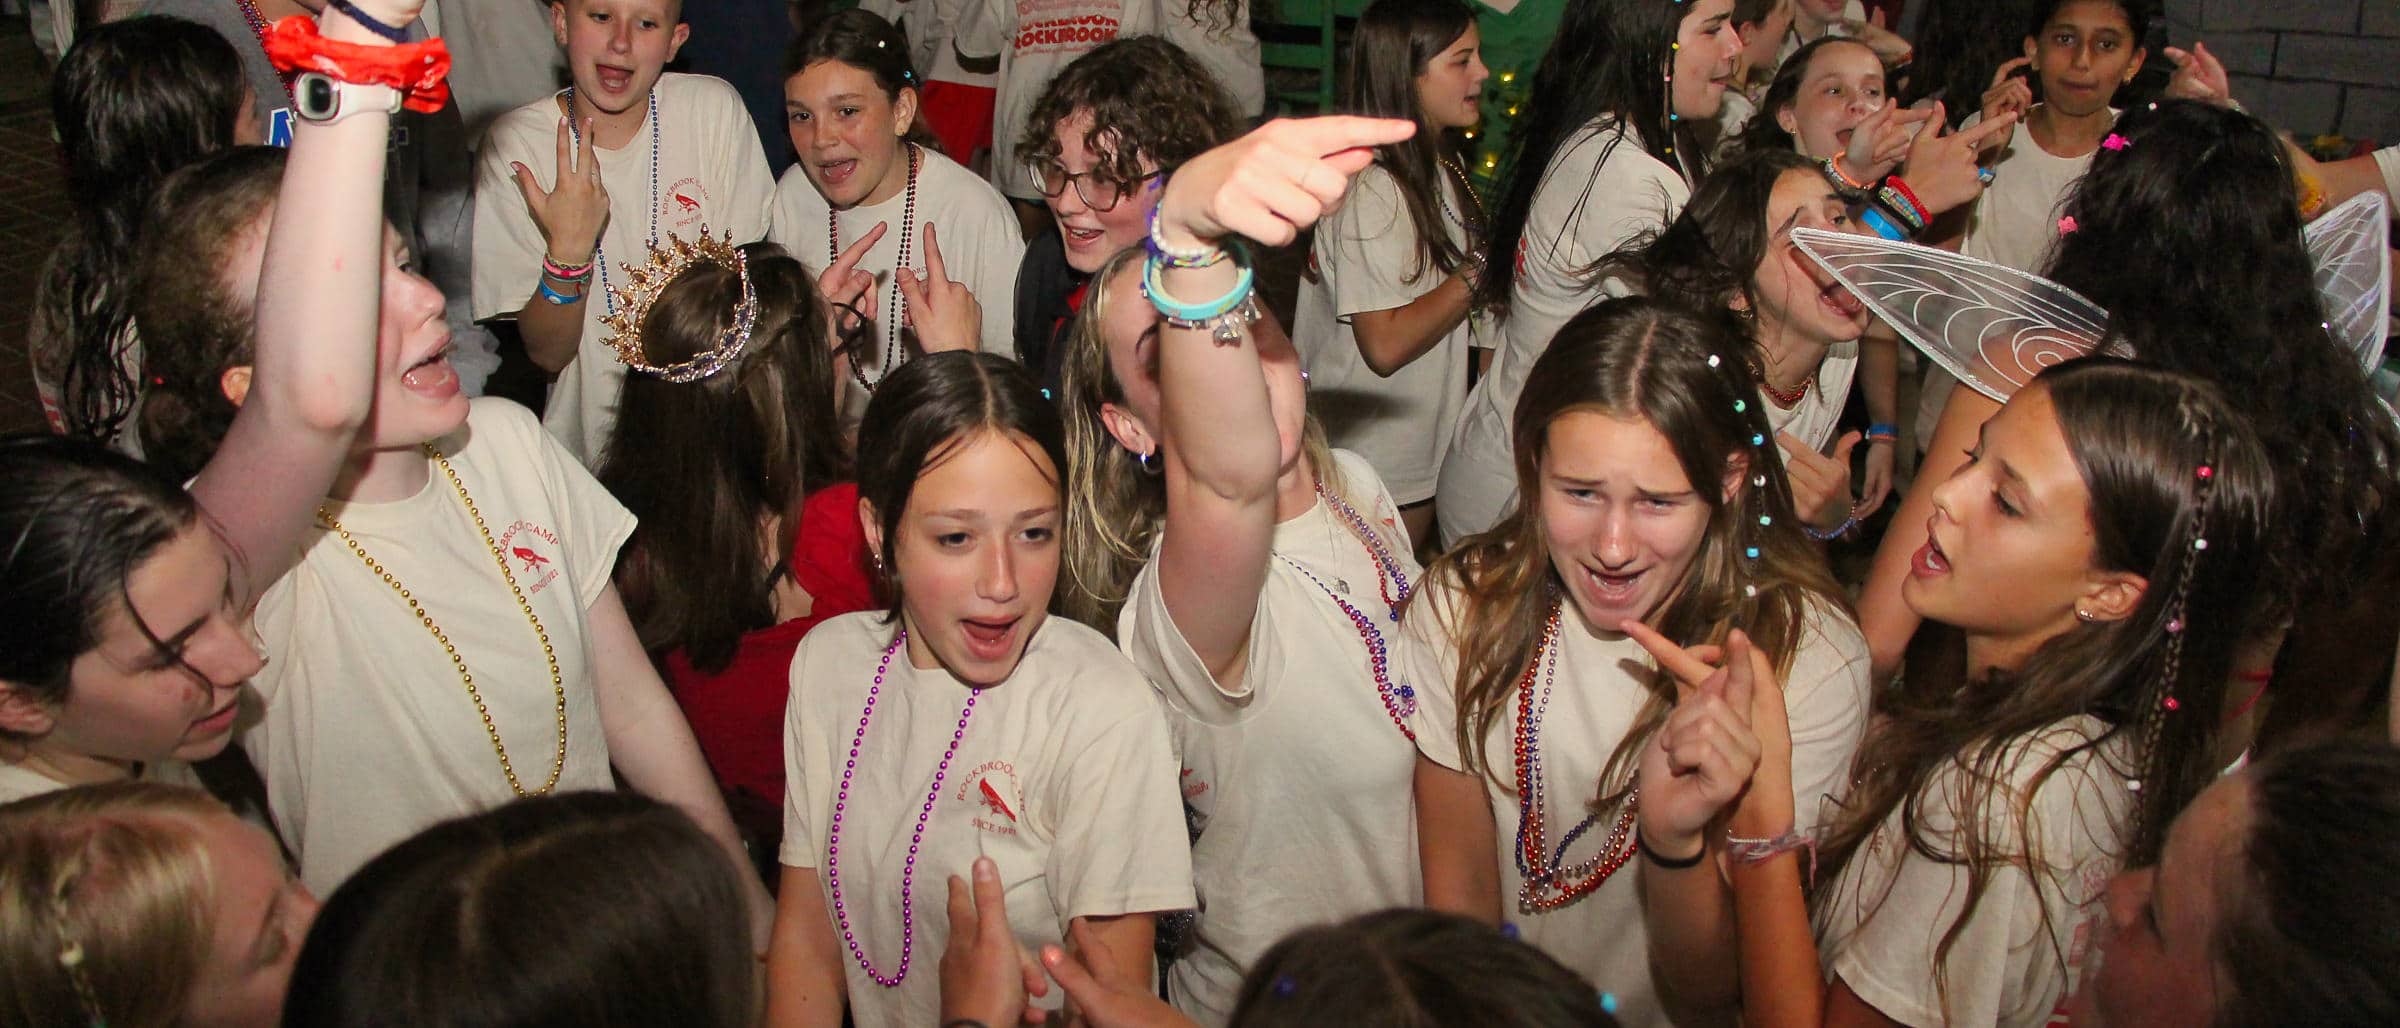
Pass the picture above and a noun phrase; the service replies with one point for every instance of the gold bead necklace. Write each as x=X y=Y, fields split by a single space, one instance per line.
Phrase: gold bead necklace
x=558 y=688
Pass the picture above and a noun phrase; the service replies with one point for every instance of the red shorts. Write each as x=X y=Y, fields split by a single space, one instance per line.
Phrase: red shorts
x=959 y=116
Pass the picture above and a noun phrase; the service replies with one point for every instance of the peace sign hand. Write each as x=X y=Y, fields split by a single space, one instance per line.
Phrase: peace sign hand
x=1702 y=759
x=573 y=213
x=1945 y=169
x=944 y=313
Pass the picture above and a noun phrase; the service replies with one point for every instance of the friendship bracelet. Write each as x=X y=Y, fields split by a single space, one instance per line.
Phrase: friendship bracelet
x=419 y=70
x=1160 y=252
x=1664 y=863
x=566 y=272
x=369 y=22
x=1900 y=185
x=1899 y=207
x=1882 y=226
x=542 y=287
x=1759 y=851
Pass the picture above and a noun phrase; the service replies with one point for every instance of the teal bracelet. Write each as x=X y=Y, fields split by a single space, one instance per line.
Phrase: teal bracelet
x=1177 y=311
x=1883 y=226
x=542 y=288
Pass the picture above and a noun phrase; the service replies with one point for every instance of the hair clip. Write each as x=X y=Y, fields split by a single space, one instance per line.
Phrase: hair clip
x=2114 y=142
x=2067 y=225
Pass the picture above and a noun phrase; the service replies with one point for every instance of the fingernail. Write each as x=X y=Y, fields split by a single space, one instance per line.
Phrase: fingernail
x=986 y=868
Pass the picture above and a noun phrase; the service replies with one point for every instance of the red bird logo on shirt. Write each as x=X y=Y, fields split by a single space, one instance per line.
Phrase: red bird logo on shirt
x=532 y=560
x=993 y=802
x=689 y=205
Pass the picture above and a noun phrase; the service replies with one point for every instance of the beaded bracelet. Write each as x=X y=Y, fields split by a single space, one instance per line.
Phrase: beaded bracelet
x=1900 y=185
x=1899 y=207
x=1842 y=182
x=397 y=34
x=1833 y=533
x=1759 y=851
x=1160 y=252
x=1665 y=863
x=1882 y=226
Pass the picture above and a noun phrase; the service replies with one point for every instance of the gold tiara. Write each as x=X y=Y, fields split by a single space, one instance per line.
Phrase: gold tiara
x=645 y=283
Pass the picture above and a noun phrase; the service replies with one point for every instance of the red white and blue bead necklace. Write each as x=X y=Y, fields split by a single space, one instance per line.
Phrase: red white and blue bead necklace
x=1551 y=883
x=908 y=872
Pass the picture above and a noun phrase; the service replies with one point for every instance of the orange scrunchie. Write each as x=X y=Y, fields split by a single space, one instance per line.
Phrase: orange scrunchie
x=421 y=70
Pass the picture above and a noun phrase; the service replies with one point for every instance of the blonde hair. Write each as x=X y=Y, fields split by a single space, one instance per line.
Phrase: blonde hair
x=106 y=899
x=1114 y=507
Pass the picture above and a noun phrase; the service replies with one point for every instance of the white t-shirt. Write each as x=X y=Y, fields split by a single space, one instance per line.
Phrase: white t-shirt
x=1034 y=39
x=2013 y=224
x=2008 y=967
x=1590 y=708
x=502 y=55
x=1853 y=12
x=1586 y=206
x=2387 y=161
x=1362 y=258
x=368 y=734
x=1814 y=418
x=1230 y=53
x=1731 y=120
x=18 y=782
x=1065 y=778
x=981 y=248
x=709 y=172
x=1301 y=780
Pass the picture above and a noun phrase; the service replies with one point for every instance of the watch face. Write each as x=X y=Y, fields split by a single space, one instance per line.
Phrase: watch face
x=317 y=97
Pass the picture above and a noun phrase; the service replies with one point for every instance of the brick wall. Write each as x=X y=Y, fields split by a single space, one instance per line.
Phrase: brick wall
x=2307 y=66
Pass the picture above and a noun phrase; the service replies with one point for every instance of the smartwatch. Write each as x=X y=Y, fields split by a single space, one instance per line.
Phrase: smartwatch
x=322 y=99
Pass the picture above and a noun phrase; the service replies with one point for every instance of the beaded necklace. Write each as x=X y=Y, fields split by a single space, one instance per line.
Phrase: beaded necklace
x=908 y=870
x=1550 y=882
x=899 y=313
x=1391 y=582
x=558 y=688
x=1780 y=398
x=1466 y=188
x=600 y=253
x=260 y=28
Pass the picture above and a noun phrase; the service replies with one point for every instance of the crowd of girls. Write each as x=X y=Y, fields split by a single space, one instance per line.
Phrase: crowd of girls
x=985 y=631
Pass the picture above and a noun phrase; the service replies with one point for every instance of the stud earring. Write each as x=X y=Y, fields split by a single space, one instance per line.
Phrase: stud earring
x=2084 y=616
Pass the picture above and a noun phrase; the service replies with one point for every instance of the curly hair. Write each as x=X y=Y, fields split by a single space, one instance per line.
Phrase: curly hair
x=192 y=324
x=1149 y=101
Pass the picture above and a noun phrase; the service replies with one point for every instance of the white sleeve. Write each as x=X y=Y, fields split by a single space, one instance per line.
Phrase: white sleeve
x=749 y=185
x=508 y=246
x=1427 y=660
x=1369 y=250
x=1826 y=701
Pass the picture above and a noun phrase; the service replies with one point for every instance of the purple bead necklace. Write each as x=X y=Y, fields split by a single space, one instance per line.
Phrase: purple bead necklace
x=908 y=872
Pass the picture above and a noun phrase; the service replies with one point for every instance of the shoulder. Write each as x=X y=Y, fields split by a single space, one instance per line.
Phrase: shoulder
x=505 y=418
x=960 y=185
x=524 y=127
x=794 y=192
x=838 y=640
x=1075 y=665
x=1829 y=638
x=699 y=92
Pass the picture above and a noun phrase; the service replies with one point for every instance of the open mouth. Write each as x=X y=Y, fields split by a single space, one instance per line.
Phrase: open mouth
x=989 y=638
x=612 y=78
x=1081 y=238
x=834 y=173
x=432 y=374
x=1842 y=136
x=1614 y=589
x=1930 y=560
x=1841 y=301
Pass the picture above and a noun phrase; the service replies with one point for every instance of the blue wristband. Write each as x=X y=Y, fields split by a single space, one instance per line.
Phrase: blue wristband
x=1883 y=430
x=542 y=288
x=1883 y=226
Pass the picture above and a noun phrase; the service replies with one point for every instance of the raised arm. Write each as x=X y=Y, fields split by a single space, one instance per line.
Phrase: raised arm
x=1882 y=614
x=1222 y=451
x=313 y=349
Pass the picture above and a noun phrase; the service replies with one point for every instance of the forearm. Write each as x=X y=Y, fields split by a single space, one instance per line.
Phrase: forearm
x=313 y=361
x=1131 y=943
x=1879 y=374
x=1389 y=340
x=1688 y=914
x=1457 y=843
x=805 y=985
x=1213 y=398
x=1781 y=983
x=553 y=332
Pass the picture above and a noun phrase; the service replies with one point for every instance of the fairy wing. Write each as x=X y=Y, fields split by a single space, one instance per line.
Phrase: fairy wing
x=1991 y=326
x=2352 y=248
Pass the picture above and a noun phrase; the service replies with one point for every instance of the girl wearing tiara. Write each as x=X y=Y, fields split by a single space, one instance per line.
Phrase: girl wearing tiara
x=1649 y=495
x=868 y=177
x=2098 y=553
x=963 y=721
x=1384 y=317
x=1609 y=153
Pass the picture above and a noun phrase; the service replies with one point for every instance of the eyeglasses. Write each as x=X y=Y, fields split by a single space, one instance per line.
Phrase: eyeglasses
x=1099 y=192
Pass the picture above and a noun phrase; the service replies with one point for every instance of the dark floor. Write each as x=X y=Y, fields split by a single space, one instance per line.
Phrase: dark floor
x=33 y=211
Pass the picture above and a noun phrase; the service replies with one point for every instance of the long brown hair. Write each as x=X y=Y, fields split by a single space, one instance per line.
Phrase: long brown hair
x=2138 y=434
x=1679 y=370
x=1394 y=42
x=702 y=464
x=1116 y=503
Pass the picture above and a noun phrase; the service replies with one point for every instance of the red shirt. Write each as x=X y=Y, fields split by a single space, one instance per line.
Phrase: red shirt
x=737 y=713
